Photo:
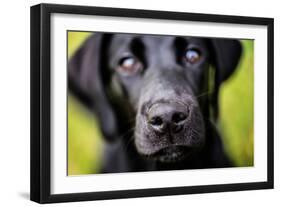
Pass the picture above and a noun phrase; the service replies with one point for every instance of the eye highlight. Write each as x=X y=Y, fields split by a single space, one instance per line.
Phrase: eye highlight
x=192 y=56
x=129 y=65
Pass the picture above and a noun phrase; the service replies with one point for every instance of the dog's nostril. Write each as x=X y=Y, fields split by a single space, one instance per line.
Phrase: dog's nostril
x=178 y=117
x=156 y=121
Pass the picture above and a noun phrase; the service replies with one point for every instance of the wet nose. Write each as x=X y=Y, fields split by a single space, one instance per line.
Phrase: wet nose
x=167 y=116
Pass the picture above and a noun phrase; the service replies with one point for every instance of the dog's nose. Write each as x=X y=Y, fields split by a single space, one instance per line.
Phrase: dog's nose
x=163 y=117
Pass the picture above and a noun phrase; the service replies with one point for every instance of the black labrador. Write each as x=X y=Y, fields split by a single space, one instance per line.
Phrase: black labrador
x=154 y=97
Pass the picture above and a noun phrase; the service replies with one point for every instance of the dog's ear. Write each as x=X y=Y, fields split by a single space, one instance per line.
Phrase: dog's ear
x=225 y=57
x=86 y=80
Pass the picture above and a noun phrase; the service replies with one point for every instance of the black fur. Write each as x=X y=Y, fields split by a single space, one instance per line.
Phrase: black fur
x=155 y=109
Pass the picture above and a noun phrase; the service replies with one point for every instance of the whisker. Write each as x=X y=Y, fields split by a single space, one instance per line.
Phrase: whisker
x=131 y=121
x=129 y=141
x=203 y=94
x=126 y=132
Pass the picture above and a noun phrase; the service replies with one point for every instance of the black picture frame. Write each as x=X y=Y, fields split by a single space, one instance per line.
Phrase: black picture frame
x=40 y=185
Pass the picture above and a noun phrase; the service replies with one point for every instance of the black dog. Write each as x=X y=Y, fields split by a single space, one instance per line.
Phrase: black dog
x=154 y=97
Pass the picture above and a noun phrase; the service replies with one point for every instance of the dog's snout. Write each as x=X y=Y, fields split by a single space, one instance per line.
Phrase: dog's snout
x=167 y=116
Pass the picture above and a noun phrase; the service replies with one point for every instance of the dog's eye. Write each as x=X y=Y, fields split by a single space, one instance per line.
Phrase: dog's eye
x=192 y=56
x=129 y=66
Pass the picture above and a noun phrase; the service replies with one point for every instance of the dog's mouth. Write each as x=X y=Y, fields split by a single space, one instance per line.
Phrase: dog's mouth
x=172 y=154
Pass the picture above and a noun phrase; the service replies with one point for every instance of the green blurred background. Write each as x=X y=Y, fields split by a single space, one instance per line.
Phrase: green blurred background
x=85 y=143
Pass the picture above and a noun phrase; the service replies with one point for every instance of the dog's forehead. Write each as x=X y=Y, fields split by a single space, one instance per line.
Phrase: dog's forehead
x=123 y=40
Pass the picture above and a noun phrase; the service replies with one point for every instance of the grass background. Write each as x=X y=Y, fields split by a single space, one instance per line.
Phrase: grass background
x=85 y=143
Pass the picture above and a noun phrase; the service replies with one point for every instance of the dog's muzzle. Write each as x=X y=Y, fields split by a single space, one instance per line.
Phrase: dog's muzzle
x=169 y=122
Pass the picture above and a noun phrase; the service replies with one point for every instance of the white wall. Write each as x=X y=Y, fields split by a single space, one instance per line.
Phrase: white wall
x=14 y=101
